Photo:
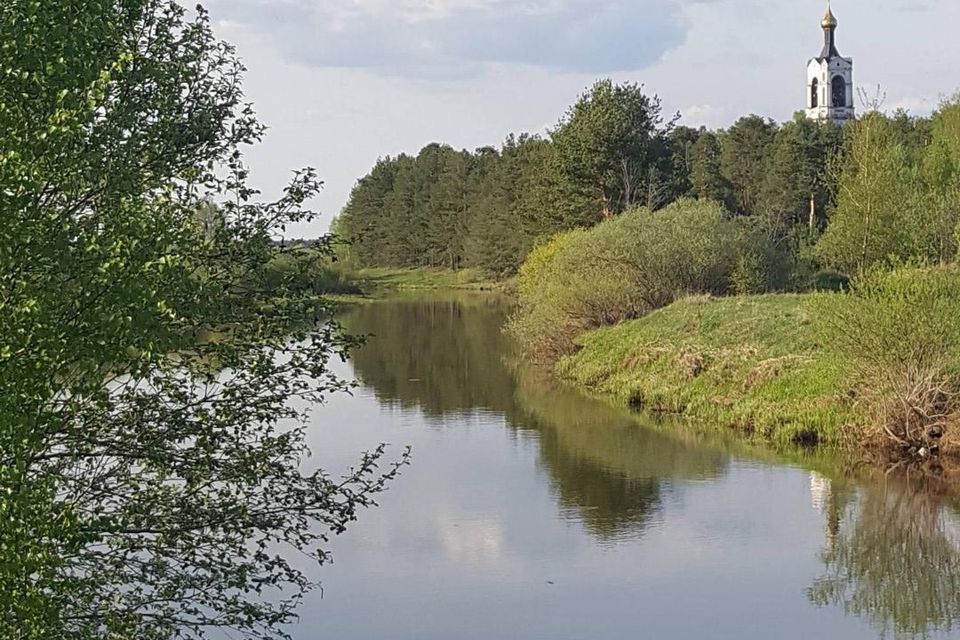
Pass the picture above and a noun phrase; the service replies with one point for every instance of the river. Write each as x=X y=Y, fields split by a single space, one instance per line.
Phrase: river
x=532 y=512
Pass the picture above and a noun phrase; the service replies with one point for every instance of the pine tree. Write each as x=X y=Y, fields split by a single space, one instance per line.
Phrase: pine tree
x=745 y=146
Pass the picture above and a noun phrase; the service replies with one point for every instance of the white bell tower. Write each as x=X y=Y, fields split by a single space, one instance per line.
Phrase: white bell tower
x=830 y=79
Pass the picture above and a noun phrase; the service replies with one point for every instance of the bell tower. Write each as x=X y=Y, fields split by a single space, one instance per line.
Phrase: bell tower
x=830 y=79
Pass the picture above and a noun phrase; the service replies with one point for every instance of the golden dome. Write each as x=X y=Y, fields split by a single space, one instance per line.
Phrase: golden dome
x=829 y=20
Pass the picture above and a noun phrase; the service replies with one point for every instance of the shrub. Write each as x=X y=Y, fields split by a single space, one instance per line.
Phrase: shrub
x=536 y=325
x=828 y=280
x=624 y=268
x=749 y=276
x=901 y=329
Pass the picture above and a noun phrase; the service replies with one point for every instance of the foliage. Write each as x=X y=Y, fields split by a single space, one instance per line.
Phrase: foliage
x=794 y=185
x=749 y=275
x=883 y=189
x=151 y=448
x=745 y=147
x=875 y=216
x=830 y=281
x=706 y=178
x=898 y=192
x=624 y=268
x=940 y=171
x=453 y=209
x=535 y=323
x=900 y=331
x=306 y=270
x=489 y=208
x=610 y=145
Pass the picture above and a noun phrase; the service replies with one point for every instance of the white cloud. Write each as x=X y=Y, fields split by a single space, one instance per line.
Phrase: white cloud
x=457 y=38
x=467 y=72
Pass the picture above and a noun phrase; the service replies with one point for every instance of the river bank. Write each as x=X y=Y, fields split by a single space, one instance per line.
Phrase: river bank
x=751 y=364
x=752 y=367
x=381 y=282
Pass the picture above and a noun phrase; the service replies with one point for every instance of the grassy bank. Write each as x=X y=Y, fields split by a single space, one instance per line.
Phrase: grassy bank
x=750 y=363
x=375 y=282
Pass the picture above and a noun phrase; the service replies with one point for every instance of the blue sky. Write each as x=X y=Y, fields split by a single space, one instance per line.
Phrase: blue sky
x=343 y=82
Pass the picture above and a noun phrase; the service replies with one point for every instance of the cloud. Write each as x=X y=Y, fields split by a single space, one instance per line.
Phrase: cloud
x=461 y=37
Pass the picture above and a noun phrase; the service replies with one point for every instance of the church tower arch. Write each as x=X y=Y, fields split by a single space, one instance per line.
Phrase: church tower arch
x=838 y=89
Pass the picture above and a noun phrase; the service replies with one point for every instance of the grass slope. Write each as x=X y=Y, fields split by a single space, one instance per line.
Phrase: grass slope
x=751 y=363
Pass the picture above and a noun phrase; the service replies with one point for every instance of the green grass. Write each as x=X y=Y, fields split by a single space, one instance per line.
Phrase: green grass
x=378 y=280
x=750 y=363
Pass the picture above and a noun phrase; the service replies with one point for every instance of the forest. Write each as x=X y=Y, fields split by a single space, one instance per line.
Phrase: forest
x=616 y=149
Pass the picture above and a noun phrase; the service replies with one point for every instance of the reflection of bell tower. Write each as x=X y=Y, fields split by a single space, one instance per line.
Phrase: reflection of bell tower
x=830 y=79
x=831 y=500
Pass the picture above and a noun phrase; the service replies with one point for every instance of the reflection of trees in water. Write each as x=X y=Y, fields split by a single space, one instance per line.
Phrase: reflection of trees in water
x=443 y=355
x=603 y=463
x=448 y=356
x=610 y=503
x=892 y=557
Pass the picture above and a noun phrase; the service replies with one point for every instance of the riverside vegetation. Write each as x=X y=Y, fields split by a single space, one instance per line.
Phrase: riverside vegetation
x=796 y=283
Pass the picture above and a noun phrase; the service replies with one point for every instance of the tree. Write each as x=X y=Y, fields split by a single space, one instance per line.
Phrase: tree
x=794 y=186
x=361 y=224
x=679 y=165
x=913 y=132
x=445 y=214
x=523 y=199
x=706 y=177
x=150 y=449
x=873 y=219
x=745 y=147
x=609 y=143
x=940 y=168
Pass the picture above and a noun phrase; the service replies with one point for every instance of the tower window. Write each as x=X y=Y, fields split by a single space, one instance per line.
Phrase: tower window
x=815 y=94
x=839 y=90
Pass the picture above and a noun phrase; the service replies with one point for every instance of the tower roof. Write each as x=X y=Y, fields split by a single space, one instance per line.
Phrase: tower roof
x=829 y=24
x=829 y=20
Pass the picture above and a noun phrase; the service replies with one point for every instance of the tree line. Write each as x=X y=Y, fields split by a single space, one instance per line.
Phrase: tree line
x=613 y=150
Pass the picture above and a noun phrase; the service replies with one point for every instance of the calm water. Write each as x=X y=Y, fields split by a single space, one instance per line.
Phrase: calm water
x=532 y=512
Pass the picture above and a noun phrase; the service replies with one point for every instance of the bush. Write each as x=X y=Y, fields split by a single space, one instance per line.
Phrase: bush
x=901 y=329
x=749 y=276
x=536 y=324
x=828 y=280
x=625 y=268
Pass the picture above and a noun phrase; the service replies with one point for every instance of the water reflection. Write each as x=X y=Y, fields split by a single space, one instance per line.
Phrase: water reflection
x=610 y=472
x=892 y=556
x=889 y=553
x=443 y=355
x=448 y=355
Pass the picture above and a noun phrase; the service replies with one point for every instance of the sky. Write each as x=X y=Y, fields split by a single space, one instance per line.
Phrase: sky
x=341 y=83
